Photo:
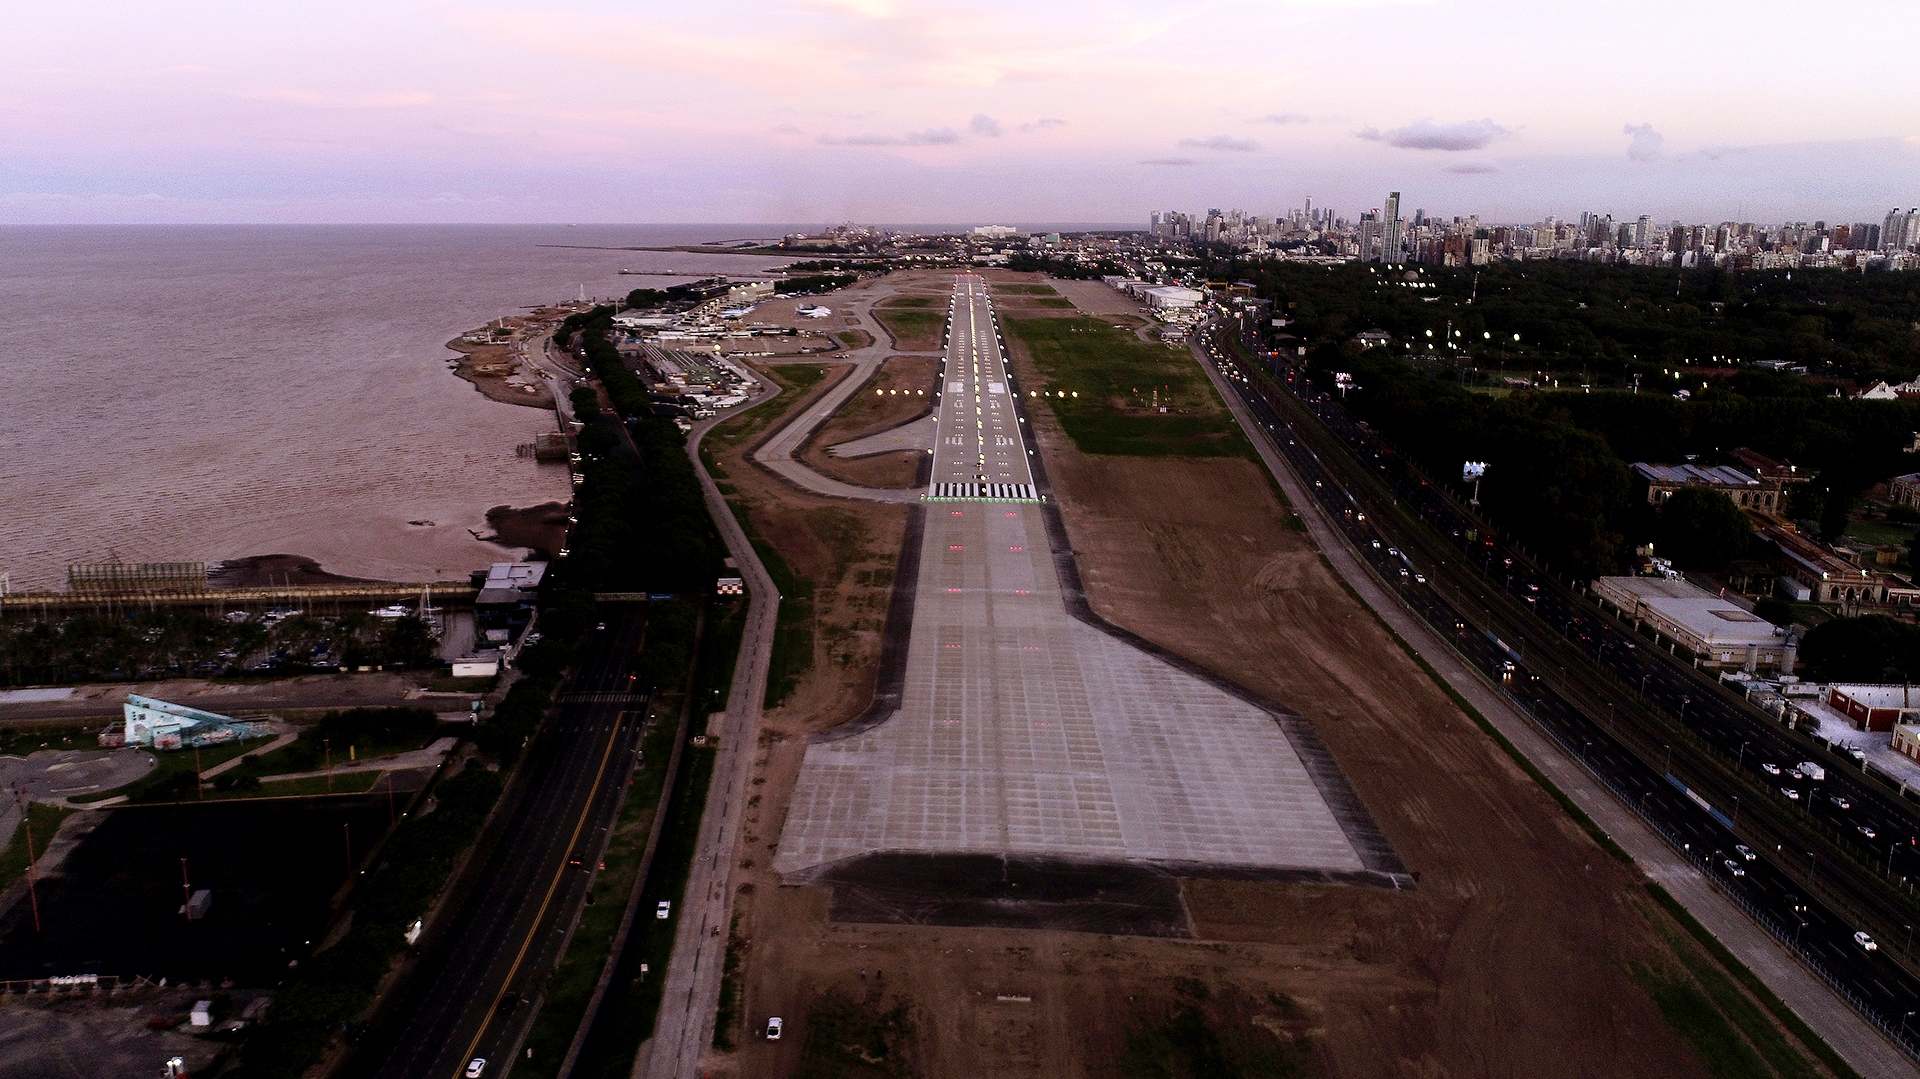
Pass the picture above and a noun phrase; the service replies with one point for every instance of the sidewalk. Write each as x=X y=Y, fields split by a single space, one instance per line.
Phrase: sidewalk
x=1849 y=1035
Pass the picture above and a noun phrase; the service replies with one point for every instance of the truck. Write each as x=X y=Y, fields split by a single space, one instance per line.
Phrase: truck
x=1811 y=771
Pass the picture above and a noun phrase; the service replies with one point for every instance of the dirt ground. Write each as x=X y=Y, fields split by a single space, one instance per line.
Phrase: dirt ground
x=488 y=367
x=902 y=390
x=1511 y=958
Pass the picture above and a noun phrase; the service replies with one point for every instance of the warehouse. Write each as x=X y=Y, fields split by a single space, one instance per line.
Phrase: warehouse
x=1715 y=630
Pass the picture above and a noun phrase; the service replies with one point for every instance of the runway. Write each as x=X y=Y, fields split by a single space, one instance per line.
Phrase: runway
x=1027 y=727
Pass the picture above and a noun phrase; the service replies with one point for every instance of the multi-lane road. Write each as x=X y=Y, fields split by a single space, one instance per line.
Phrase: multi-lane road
x=1600 y=689
x=507 y=919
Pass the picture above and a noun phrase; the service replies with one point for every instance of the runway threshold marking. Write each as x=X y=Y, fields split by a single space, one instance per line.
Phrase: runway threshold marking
x=533 y=930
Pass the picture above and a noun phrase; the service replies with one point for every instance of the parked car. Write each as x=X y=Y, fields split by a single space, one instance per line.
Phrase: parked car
x=1790 y=793
x=1770 y=768
x=773 y=1029
x=1866 y=831
x=1840 y=802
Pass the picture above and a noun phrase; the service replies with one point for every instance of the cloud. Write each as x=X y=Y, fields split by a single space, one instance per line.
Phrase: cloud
x=933 y=136
x=1285 y=118
x=1043 y=124
x=1472 y=168
x=1427 y=135
x=983 y=124
x=1644 y=142
x=1170 y=161
x=403 y=99
x=1222 y=142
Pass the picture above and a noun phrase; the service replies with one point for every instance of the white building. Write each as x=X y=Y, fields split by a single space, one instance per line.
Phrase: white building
x=995 y=232
x=1173 y=298
x=1718 y=631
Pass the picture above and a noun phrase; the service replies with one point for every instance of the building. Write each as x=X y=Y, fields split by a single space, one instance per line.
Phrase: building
x=1747 y=492
x=1906 y=740
x=136 y=578
x=1873 y=708
x=1830 y=578
x=1393 y=231
x=162 y=725
x=1717 y=631
x=504 y=605
x=746 y=292
x=1173 y=298
x=1905 y=490
x=995 y=232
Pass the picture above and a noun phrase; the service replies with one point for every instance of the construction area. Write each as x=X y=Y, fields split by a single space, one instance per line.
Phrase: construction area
x=1514 y=939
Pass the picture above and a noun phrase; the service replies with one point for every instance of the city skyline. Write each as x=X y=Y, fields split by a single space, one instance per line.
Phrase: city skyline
x=803 y=110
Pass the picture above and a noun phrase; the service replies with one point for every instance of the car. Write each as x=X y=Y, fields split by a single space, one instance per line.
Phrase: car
x=1770 y=768
x=1840 y=802
x=601 y=626
x=575 y=860
x=773 y=1029
x=476 y=1066
x=1734 y=867
x=1865 y=942
x=1795 y=905
x=665 y=908
x=1790 y=793
x=1866 y=831
x=1797 y=775
x=1745 y=852
x=1419 y=578
x=1376 y=545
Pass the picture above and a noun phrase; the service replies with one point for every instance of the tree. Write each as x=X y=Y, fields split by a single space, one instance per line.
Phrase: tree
x=1871 y=648
x=1702 y=529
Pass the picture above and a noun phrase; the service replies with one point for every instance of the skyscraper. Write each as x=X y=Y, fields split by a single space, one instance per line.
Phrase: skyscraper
x=1391 y=231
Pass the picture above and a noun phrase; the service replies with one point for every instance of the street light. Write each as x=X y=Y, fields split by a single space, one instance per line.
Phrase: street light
x=1743 y=754
x=1669 y=766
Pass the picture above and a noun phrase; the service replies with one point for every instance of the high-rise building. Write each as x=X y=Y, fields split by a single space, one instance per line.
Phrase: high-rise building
x=1370 y=236
x=1391 y=231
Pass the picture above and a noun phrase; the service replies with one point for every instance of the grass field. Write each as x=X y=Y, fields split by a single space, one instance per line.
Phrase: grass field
x=1029 y=290
x=916 y=301
x=1121 y=383
x=915 y=330
x=42 y=822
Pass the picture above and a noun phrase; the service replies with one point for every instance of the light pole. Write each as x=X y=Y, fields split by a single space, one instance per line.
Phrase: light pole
x=1736 y=811
x=1643 y=684
x=1684 y=701
x=1743 y=754
x=1668 y=769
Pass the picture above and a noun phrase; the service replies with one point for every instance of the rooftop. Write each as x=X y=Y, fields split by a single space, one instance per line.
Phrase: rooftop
x=1710 y=476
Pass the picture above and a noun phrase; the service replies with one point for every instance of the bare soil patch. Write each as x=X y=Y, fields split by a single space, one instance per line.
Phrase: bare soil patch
x=912 y=329
x=900 y=391
x=492 y=370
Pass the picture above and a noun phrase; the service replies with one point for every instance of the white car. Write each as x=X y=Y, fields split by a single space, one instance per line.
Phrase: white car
x=773 y=1029
x=1770 y=768
x=1865 y=942
x=665 y=908
x=1744 y=851
x=1790 y=793
x=1866 y=831
x=1840 y=802
x=475 y=1067
x=1734 y=867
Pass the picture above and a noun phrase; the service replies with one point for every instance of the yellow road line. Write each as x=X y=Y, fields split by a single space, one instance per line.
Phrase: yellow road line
x=460 y=1066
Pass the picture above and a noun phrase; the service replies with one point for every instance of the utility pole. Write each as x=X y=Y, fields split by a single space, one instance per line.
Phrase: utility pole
x=26 y=829
x=186 y=891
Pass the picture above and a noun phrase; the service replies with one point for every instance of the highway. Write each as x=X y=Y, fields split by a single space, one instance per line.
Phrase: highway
x=1580 y=674
x=506 y=921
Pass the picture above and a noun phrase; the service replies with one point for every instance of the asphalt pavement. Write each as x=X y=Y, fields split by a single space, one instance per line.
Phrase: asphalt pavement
x=505 y=923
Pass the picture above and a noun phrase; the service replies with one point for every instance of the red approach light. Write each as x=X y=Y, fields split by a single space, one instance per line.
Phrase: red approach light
x=956 y=513
x=1016 y=548
x=955 y=547
x=1010 y=513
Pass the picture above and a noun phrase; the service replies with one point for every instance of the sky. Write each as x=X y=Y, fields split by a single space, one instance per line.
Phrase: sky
x=897 y=110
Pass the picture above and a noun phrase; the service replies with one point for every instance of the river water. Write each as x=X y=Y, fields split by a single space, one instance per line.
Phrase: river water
x=201 y=393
